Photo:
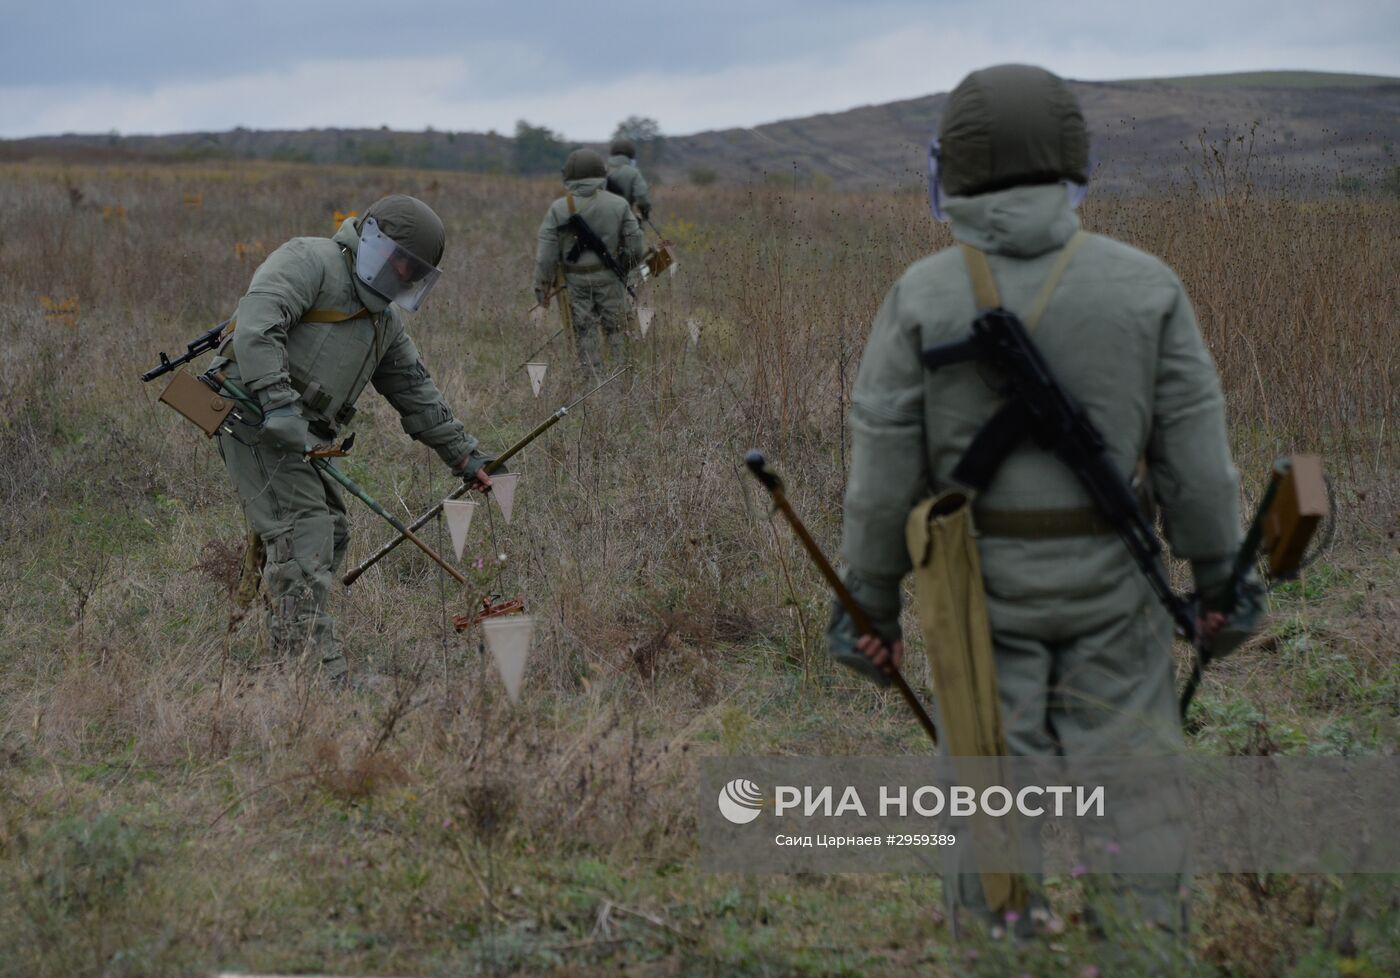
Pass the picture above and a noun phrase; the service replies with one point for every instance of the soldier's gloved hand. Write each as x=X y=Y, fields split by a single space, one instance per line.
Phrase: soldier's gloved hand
x=881 y=605
x=646 y=211
x=1227 y=628
x=285 y=430
x=471 y=469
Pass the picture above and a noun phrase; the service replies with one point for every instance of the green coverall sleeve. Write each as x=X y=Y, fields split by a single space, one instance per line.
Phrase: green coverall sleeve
x=641 y=194
x=283 y=288
x=424 y=414
x=634 y=242
x=888 y=470
x=1188 y=452
x=887 y=476
x=547 y=252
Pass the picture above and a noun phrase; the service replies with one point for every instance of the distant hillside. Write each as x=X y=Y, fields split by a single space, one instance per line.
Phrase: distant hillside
x=1145 y=133
x=1276 y=79
x=1330 y=129
x=488 y=152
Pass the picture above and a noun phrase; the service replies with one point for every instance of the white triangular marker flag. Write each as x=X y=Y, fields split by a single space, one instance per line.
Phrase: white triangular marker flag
x=537 y=316
x=459 y=520
x=503 y=488
x=645 y=314
x=508 y=639
x=693 y=325
x=536 y=372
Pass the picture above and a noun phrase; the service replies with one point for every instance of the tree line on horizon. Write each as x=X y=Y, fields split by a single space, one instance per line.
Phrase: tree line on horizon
x=533 y=151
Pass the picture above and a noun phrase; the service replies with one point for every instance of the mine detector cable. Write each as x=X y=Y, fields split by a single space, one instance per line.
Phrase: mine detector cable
x=769 y=479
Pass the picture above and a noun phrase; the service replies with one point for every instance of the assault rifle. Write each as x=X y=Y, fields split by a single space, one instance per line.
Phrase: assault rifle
x=203 y=343
x=1037 y=406
x=587 y=238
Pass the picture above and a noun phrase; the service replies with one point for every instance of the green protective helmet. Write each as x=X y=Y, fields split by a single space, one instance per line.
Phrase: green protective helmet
x=584 y=163
x=622 y=146
x=411 y=223
x=1007 y=126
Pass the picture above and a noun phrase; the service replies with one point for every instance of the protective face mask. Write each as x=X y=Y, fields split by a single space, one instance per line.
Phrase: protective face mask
x=391 y=270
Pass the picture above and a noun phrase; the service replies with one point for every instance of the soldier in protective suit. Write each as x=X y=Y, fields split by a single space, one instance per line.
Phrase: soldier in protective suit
x=1081 y=645
x=596 y=294
x=321 y=320
x=625 y=180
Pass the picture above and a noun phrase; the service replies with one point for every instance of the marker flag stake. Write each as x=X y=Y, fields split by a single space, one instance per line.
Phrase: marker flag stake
x=693 y=324
x=459 y=514
x=503 y=488
x=536 y=372
x=508 y=640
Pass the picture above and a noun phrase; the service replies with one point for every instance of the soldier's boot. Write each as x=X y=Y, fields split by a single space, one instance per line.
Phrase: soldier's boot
x=1127 y=900
x=590 y=354
x=336 y=669
x=614 y=312
x=971 y=918
x=1131 y=939
x=301 y=632
x=617 y=346
x=298 y=572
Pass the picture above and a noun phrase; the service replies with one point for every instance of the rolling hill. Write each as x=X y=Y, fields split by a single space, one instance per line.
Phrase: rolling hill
x=1324 y=130
x=1145 y=133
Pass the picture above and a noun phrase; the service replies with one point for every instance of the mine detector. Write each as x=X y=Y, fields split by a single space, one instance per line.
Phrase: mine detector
x=213 y=402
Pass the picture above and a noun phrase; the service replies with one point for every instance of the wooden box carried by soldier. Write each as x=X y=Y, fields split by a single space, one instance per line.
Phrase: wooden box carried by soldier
x=197 y=401
x=659 y=259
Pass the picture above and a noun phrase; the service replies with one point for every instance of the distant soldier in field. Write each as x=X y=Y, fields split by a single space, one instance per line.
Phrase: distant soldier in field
x=1081 y=645
x=321 y=320
x=592 y=238
x=625 y=180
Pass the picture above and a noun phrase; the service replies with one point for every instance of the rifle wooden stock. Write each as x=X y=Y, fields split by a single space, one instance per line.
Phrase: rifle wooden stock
x=759 y=467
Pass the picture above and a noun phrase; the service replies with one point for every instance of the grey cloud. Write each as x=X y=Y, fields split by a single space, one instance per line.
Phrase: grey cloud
x=162 y=66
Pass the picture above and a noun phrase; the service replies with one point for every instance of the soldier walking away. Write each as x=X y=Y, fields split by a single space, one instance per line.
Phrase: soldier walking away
x=625 y=180
x=1080 y=643
x=322 y=318
x=592 y=237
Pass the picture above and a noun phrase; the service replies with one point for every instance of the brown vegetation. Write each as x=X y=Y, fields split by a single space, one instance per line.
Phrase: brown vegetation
x=172 y=801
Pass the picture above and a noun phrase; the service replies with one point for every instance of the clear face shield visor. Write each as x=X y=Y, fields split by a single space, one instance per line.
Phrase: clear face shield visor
x=1074 y=191
x=392 y=270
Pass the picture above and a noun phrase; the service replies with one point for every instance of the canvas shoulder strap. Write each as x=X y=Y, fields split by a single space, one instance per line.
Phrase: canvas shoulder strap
x=312 y=316
x=573 y=206
x=332 y=315
x=984 y=285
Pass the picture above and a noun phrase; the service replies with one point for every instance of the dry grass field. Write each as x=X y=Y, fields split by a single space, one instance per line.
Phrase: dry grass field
x=173 y=802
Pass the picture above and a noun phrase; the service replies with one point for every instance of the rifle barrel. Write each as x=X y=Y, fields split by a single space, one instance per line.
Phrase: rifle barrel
x=203 y=343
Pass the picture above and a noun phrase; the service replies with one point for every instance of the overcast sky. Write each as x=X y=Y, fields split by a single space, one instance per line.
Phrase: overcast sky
x=156 y=66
